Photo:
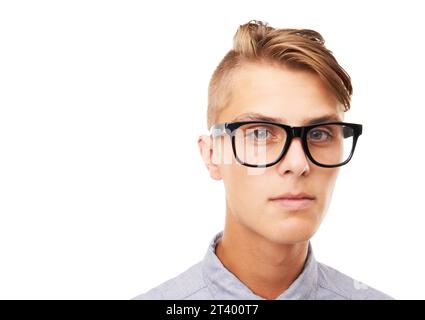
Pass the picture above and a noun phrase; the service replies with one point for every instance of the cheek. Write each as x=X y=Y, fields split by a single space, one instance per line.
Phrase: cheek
x=328 y=178
x=245 y=191
x=324 y=185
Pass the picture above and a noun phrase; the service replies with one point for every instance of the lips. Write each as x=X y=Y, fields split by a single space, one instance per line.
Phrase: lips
x=296 y=201
x=294 y=196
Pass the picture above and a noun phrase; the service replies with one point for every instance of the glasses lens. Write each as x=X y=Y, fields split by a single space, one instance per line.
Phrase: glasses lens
x=259 y=144
x=330 y=144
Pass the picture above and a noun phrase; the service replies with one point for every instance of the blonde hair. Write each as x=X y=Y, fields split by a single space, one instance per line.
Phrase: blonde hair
x=302 y=49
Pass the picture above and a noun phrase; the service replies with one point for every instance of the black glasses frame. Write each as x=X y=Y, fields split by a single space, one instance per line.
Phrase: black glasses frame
x=292 y=132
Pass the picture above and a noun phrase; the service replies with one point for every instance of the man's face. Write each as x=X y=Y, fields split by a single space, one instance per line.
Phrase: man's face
x=294 y=96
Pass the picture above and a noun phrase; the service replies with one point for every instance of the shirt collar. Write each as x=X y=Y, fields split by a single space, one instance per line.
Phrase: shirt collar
x=225 y=285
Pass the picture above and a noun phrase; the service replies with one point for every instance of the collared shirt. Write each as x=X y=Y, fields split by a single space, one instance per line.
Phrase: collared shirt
x=209 y=279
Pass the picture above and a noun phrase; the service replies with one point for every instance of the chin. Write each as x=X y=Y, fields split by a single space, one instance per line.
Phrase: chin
x=291 y=232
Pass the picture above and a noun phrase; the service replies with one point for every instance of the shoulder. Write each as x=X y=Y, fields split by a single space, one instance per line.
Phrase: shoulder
x=334 y=284
x=189 y=284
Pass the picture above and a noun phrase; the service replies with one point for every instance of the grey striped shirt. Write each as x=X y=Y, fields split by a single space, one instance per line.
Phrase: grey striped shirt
x=209 y=279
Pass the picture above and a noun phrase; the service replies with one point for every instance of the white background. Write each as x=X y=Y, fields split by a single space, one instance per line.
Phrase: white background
x=92 y=207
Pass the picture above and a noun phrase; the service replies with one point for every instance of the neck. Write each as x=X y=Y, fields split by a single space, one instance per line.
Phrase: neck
x=267 y=268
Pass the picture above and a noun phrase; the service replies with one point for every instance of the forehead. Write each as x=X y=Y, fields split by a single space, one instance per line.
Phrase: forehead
x=295 y=96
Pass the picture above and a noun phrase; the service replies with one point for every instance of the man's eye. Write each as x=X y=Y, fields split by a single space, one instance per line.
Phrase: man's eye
x=259 y=134
x=319 y=135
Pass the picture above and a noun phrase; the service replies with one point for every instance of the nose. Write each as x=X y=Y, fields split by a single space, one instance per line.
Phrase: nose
x=295 y=160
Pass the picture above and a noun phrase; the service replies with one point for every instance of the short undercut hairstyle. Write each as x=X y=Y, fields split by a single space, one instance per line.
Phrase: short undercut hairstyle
x=299 y=49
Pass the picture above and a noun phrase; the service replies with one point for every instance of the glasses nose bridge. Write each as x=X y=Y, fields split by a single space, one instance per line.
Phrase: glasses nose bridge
x=296 y=132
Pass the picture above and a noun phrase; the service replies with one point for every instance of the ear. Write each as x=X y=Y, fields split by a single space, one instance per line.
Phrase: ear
x=206 y=150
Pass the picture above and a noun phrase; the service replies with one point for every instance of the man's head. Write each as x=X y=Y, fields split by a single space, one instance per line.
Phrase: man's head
x=287 y=75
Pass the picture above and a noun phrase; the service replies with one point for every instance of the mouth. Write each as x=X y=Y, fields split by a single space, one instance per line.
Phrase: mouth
x=294 y=201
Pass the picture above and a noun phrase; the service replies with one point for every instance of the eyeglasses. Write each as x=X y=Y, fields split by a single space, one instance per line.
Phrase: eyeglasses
x=262 y=144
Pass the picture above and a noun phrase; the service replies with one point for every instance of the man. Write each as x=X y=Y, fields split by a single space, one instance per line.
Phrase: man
x=277 y=140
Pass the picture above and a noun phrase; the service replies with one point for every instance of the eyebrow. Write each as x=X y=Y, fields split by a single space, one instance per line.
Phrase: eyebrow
x=261 y=117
